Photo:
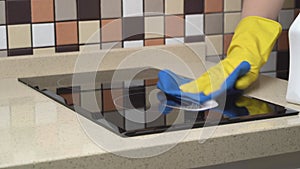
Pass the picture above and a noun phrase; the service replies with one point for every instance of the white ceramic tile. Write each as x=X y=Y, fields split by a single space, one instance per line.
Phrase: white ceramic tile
x=3 y=37
x=43 y=35
x=133 y=44
x=271 y=63
x=286 y=18
x=174 y=41
x=132 y=8
x=194 y=25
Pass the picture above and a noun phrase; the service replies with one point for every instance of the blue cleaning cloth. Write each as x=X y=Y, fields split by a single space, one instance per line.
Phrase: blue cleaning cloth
x=170 y=82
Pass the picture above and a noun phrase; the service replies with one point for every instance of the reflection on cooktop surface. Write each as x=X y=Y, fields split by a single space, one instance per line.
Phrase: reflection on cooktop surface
x=126 y=103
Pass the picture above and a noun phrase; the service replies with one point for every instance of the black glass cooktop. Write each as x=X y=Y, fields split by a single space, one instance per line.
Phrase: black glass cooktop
x=126 y=102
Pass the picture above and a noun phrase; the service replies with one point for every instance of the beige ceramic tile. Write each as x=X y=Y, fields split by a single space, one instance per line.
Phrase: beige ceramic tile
x=154 y=27
x=232 y=5
x=214 y=45
x=19 y=36
x=289 y=4
x=230 y=21
x=42 y=51
x=89 y=48
x=174 y=6
x=89 y=32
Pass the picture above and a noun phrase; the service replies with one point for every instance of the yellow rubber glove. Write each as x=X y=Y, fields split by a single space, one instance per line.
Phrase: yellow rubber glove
x=253 y=42
x=253 y=106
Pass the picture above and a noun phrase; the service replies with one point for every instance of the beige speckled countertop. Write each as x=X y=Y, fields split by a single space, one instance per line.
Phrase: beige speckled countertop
x=37 y=132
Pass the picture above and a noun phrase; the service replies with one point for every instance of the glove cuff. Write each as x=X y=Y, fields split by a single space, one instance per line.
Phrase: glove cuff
x=253 y=41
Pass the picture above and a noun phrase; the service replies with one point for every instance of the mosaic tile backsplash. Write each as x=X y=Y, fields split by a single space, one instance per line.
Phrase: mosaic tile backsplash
x=29 y=27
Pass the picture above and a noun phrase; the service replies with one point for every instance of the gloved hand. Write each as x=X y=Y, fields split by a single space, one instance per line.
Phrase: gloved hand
x=252 y=42
x=170 y=82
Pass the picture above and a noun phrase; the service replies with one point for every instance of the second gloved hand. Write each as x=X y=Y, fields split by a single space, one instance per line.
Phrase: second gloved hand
x=252 y=42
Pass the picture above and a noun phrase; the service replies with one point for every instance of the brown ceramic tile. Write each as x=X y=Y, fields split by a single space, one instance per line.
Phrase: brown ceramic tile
x=108 y=100
x=213 y=24
x=18 y=12
x=174 y=26
x=213 y=6
x=283 y=43
x=227 y=41
x=67 y=48
x=66 y=33
x=193 y=6
x=154 y=42
x=88 y=9
x=150 y=82
x=133 y=28
x=42 y=11
x=111 y=30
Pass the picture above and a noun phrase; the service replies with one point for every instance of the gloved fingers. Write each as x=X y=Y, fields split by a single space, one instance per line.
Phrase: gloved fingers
x=241 y=70
x=245 y=81
x=169 y=82
x=208 y=82
x=197 y=86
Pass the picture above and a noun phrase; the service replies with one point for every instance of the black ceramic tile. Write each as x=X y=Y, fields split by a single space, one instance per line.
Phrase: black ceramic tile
x=136 y=97
x=88 y=9
x=133 y=28
x=18 y=11
x=67 y=48
x=297 y=3
x=21 y=51
x=282 y=67
x=193 y=6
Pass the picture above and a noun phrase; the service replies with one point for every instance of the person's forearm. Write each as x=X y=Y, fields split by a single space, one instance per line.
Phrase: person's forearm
x=263 y=8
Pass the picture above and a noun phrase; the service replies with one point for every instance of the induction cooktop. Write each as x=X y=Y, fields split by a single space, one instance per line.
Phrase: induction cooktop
x=126 y=102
